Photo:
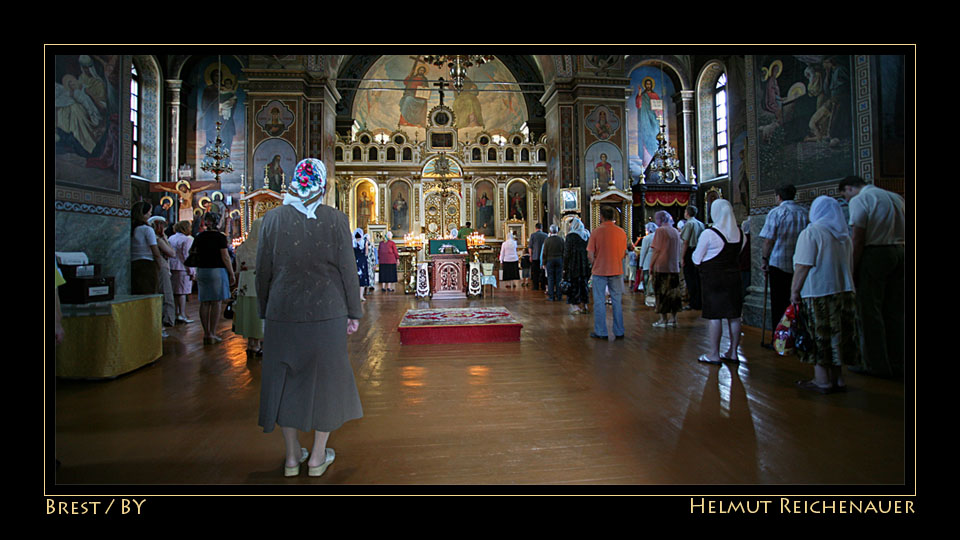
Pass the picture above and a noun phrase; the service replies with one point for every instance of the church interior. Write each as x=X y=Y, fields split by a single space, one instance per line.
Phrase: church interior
x=451 y=162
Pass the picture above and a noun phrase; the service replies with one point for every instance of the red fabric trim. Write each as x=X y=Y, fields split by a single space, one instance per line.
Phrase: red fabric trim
x=459 y=334
x=667 y=198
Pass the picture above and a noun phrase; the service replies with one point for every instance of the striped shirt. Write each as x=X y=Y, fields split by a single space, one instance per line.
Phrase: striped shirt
x=784 y=224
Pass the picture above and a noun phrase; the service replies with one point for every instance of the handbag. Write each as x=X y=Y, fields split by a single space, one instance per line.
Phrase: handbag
x=228 y=310
x=191 y=259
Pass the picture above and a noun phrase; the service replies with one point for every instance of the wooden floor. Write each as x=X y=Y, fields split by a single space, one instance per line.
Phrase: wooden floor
x=556 y=408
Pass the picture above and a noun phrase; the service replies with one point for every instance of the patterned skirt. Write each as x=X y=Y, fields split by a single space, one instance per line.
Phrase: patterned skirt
x=666 y=288
x=832 y=323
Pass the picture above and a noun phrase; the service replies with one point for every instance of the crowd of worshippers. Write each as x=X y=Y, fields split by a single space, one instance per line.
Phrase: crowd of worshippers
x=840 y=263
x=295 y=296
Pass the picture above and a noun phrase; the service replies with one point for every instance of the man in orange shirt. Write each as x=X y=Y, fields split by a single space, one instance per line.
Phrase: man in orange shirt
x=606 y=249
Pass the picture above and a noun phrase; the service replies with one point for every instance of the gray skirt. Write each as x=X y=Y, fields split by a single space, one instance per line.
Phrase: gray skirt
x=306 y=379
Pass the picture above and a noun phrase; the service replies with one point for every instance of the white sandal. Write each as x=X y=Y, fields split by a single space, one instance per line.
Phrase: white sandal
x=329 y=455
x=295 y=470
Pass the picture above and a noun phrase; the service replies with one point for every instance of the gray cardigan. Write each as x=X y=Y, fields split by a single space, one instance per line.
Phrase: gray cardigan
x=306 y=270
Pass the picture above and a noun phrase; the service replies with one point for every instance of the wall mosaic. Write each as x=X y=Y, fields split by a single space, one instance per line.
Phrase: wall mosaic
x=650 y=104
x=203 y=106
x=398 y=93
x=804 y=119
x=88 y=114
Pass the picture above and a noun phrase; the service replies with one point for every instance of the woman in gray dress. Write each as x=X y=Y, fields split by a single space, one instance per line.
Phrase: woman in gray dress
x=306 y=289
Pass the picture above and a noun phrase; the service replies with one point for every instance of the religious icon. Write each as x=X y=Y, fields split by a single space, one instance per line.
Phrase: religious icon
x=218 y=103
x=484 y=219
x=603 y=171
x=413 y=103
x=217 y=203
x=365 y=203
x=275 y=118
x=602 y=123
x=87 y=128
x=466 y=107
x=649 y=118
x=186 y=193
x=517 y=193
x=275 y=127
x=273 y=174
x=570 y=200
x=399 y=207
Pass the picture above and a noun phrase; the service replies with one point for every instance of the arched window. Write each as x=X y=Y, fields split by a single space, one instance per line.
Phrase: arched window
x=491 y=155
x=720 y=123
x=357 y=154
x=338 y=154
x=391 y=154
x=374 y=156
x=541 y=155
x=407 y=154
x=477 y=155
x=524 y=155
x=509 y=154
x=135 y=118
x=713 y=115
x=145 y=84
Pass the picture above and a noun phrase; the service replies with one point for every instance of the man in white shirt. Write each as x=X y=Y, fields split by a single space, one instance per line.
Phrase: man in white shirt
x=878 y=224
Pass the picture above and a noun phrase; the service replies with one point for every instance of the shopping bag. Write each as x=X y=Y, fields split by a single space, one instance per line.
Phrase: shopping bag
x=783 y=336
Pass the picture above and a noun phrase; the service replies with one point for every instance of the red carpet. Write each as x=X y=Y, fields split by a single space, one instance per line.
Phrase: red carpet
x=458 y=325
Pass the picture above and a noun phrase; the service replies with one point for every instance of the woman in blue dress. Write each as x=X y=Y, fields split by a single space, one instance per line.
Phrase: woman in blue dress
x=360 y=248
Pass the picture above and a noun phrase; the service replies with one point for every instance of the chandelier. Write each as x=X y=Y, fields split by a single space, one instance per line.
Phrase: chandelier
x=458 y=65
x=665 y=159
x=217 y=159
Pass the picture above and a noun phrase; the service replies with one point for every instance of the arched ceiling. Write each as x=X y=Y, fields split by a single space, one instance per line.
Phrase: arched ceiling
x=524 y=69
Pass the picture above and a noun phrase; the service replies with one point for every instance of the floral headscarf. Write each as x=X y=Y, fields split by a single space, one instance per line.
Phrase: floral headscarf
x=309 y=181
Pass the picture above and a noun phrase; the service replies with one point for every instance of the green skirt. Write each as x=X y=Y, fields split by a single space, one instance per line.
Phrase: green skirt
x=832 y=323
x=246 y=320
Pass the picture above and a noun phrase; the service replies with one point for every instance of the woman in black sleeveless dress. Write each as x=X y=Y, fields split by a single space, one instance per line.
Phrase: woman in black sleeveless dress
x=718 y=256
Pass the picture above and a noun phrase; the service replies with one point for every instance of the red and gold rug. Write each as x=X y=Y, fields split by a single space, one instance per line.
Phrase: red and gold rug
x=458 y=325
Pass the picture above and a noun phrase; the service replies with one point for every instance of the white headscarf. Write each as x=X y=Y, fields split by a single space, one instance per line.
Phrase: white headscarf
x=358 y=242
x=826 y=213
x=721 y=211
x=576 y=226
x=651 y=227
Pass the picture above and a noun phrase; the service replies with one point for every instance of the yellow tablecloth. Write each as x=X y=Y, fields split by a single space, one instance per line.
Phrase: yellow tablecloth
x=107 y=339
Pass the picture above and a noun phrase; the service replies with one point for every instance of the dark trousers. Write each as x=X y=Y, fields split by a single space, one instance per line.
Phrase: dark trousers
x=880 y=306
x=554 y=272
x=780 y=283
x=691 y=275
x=536 y=275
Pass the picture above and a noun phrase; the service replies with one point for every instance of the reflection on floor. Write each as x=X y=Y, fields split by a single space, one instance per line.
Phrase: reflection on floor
x=556 y=408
